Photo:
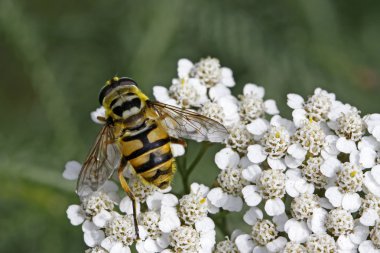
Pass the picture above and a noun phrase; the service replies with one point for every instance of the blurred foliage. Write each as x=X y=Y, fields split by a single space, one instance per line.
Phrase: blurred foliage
x=55 y=56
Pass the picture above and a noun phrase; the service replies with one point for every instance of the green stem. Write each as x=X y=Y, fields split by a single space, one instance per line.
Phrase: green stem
x=197 y=159
x=186 y=172
x=220 y=221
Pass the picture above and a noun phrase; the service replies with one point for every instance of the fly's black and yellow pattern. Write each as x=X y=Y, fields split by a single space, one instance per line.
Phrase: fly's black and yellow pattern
x=138 y=132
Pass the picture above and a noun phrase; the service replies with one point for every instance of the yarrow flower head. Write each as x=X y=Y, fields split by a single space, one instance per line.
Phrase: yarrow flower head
x=320 y=243
x=194 y=206
x=316 y=108
x=252 y=105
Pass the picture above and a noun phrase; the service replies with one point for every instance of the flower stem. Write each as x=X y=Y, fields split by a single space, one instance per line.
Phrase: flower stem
x=186 y=172
x=221 y=222
x=199 y=156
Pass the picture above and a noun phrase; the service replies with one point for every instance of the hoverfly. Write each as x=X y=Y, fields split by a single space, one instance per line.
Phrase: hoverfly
x=137 y=132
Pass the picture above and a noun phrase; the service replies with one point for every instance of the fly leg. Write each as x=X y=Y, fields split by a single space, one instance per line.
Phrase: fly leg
x=126 y=188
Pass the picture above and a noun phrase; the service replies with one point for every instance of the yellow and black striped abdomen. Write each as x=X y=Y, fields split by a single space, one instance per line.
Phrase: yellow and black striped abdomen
x=148 y=151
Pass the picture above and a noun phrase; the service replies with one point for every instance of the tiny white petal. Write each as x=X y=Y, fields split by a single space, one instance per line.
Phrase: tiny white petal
x=355 y=157
x=367 y=157
x=245 y=162
x=88 y=226
x=297 y=151
x=258 y=126
x=72 y=169
x=295 y=101
x=278 y=121
x=217 y=197
x=75 y=214
x=375 y=172
x=333 y=125
x=260 y=249
x=280 y=221
x=371 y=184
x=161 y=93
x=251 y=173
x=99 y=112
x=177 y=149
x=256 y=153
x=297 y=230
x=244 y=243
x=199 y=188
x=344 y=243
x=227 y=78
x=299 y=117
x=274 y=207
x=290 y=189
x=292 y=162
x=317 y=221
x=126 y=206
x=143 y=233
x=360 y=234
x=251 y=88
x=151 y=245
x=334 y=196
x=345 y=146
x=372 y=120
x=368 y=247
x=252 y=215
x=276 y=164
x=227 y=158
x=102 y=218
x=351 y=202
x=107 y=243
x=93 y=237
x=330 y=144
x=370 y=142
x=211 y=208
x=119 y=248
x=303 y=187
x=251 y=196
x=271 y=107
x=169 y=200
x=277 y=244
x=205 y=224
x=169 y=220
x=376 y=132
x=218 y=91
x=369 y=217
x=325 y=203
x=293 y=174
x=154 y=201
x=289 y=223
x=163 y=240
x=330 y=167
x=184 y=67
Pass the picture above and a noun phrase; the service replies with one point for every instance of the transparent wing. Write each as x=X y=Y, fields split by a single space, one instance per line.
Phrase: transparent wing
x=100 y=163
x=187 y=124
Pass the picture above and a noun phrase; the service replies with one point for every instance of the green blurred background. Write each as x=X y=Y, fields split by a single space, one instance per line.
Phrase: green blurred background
x=55 y=56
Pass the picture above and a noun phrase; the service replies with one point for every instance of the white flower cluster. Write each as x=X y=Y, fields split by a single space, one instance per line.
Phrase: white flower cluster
x=165 y=223
x=309 y=184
